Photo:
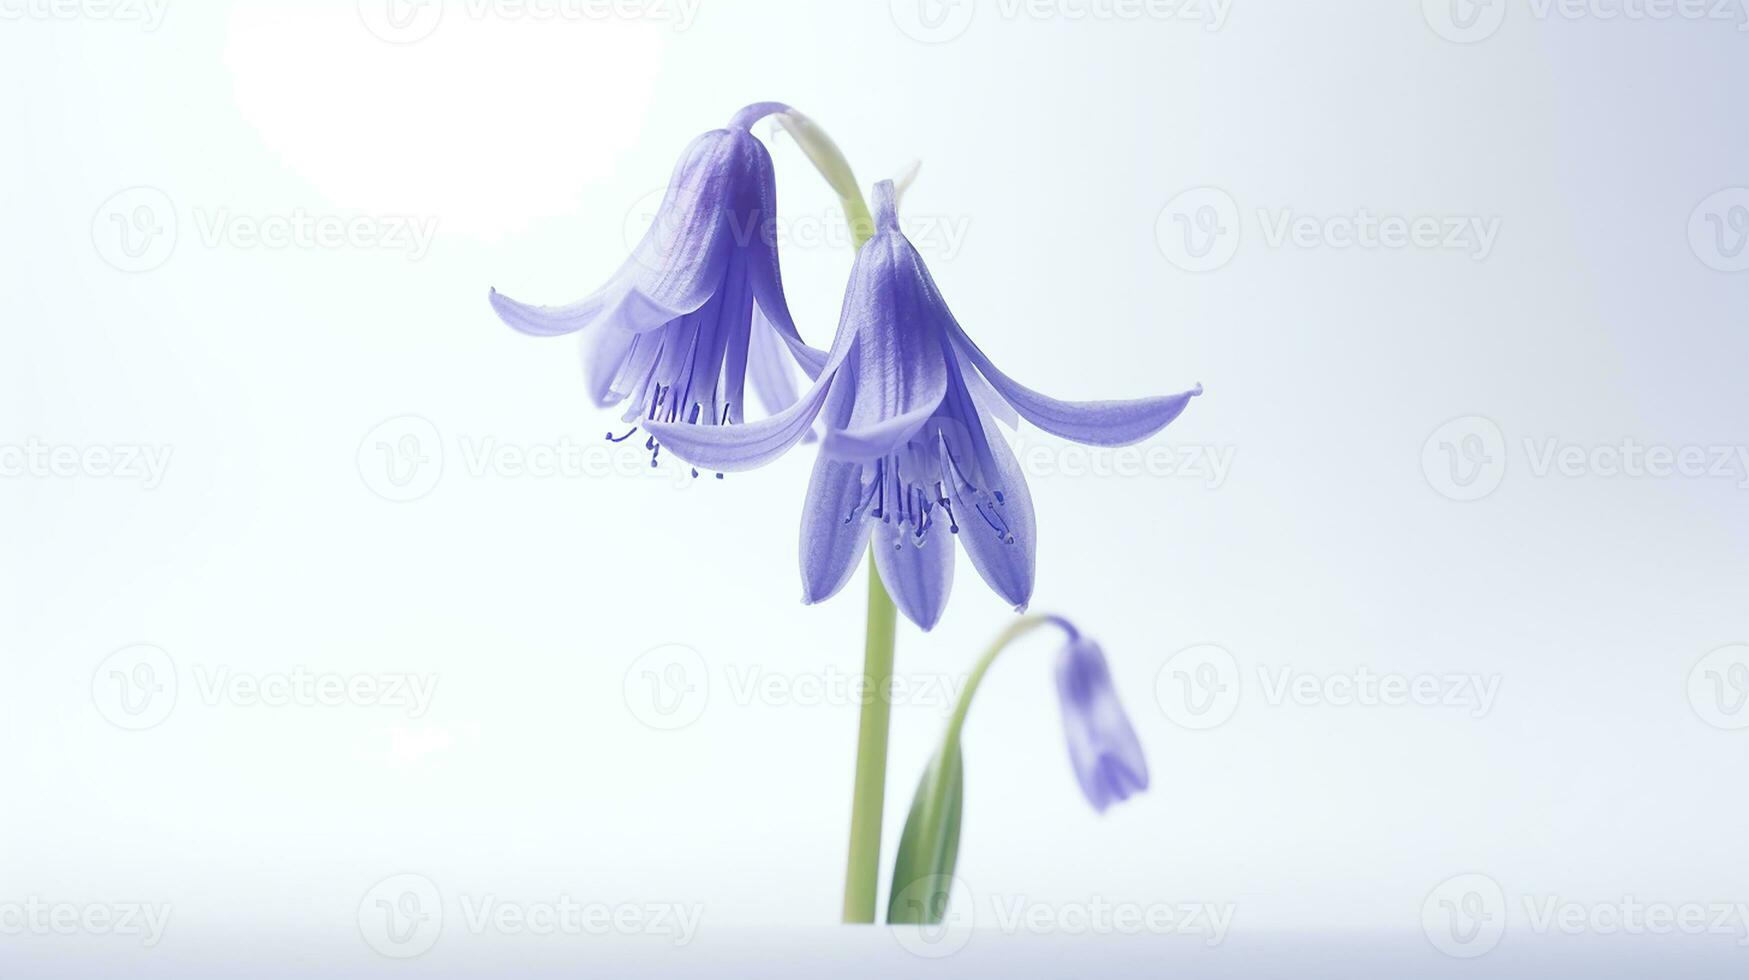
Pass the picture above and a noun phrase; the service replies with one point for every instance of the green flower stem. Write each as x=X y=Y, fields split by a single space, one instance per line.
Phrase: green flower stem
x=862 y=877
x=1014 y=631
x=950 y=742
x=862 y=874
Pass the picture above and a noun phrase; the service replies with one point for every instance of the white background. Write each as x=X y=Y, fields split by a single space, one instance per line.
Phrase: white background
x=1603 y=313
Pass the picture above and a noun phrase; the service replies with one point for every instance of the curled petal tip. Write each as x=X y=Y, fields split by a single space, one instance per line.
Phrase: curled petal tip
x=747 y=116
x=1197 y=390
x=546 y=321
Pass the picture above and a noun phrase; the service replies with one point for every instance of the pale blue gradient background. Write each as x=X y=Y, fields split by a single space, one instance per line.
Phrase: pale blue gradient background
x=1057 y=143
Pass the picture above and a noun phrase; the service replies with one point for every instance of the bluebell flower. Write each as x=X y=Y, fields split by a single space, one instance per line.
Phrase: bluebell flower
x=1103 y=748
x=699 y=305
x=1103 y=751
x=908 y=400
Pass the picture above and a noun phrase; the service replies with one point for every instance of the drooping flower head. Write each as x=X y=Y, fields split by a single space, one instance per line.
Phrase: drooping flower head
x=1103 y=747
x=699 y=305
x=911 y=456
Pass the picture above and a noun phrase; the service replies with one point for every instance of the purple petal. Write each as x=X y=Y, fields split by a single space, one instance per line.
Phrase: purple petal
x=731 y=448
x=919 y=577
x=1005 y=561
x=552 y=321
x=636 y=373
x=605 y=353
x=988 y=402
x=1096 y=423
x=769 y=367
x=738 y=337
x=832 y=538
x=727 y=364
x=877 y=439
x=1103 y=748
x=612 y=306
x=680 y=262
x=683 y=256
x=762 y=261
x=900 y=371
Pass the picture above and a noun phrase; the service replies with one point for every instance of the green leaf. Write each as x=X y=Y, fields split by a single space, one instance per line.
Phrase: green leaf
x=923 y=871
